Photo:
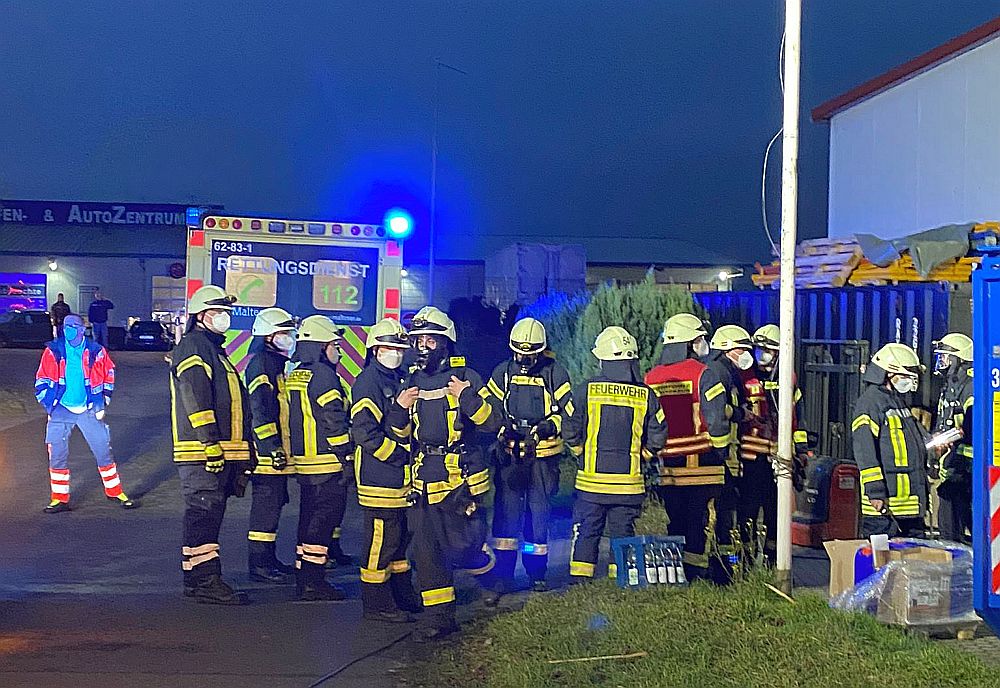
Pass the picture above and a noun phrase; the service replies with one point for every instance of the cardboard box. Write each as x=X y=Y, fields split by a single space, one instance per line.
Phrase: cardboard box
x=918 y=593
x=841 y=553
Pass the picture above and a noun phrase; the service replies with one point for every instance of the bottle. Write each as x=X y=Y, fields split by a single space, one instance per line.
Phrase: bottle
x=649 y=554
x=668 y=563
x=662 y=576
x=679 y=562
x=631 y=568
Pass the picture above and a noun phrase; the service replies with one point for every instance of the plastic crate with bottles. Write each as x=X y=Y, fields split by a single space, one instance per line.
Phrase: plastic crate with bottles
x=646 y=560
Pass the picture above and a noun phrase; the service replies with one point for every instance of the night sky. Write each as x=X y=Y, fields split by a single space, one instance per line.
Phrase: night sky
x=638 y=125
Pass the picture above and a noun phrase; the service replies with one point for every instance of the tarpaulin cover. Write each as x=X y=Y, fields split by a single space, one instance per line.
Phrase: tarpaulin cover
x=928 y=249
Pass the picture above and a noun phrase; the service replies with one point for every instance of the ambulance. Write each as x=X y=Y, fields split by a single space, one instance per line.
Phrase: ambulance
x=347 y=271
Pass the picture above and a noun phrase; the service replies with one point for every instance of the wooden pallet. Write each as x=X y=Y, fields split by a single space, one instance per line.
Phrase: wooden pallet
x=819 y=263
x=960 y=630
x=903 y=270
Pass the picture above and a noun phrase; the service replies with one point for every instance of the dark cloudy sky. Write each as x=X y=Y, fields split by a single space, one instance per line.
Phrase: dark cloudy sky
x=637 y=126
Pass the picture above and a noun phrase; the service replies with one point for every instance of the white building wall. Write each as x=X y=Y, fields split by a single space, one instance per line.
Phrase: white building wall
x=924 y=153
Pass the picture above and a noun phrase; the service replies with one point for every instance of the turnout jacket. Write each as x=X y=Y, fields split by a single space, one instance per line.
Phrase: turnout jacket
x=265 y=375
x=98 y=375
x=614 y=426
x=760 y=432
x=955 y=411
x=694 y=405
x=446 y=431
x=889 y=449
x=542 y=393
x=210 y=411
x=317 y=414
x=736 y=407
x=380 y=428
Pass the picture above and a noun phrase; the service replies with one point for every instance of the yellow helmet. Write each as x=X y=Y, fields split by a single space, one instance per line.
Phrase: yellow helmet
x=431 y=320
x=767 y=337
x=615 y=344
x=319 y=328
x=209 y=297
x=729 y=337
x=898 y=359
x=271 y=320
x=956 y=344
x=527 y=336
x=683 y=327
x=387 y=332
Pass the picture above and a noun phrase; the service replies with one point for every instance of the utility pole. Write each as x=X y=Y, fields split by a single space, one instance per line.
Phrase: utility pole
x=786 y=351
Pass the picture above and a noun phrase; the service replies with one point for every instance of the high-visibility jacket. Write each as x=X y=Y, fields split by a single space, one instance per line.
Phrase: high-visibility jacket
x=380 y=428
x=889 y=449
x=736 y=407
x=210 y=409
x=694 y=405
x=265 y=376
x=98 y=375
x=541 y=393
x=446 y=431
x=759 y=433
x=317 y=414
x=955 y=411
x=614 y=426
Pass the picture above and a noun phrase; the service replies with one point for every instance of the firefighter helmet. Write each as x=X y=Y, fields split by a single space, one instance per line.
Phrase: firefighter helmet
x=956 y=344
x=210 y=297
x=615 y=344
x=431 y=320
x=527 y=336
x=729 y=337
x=319 y=328
x=897 y=359
x=683 y=327
x=271 y=320
x=767 y=337
x=387 y=332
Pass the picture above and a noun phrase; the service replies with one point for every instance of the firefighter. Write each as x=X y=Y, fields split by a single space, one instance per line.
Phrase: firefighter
x=758 y=489
x=319 y=447
x=615 y=426
x=691 y=467
x=211 y=431
x=450 y=475
x=534 y=392
x=954 y=364
x=732 y=353
x=889 y=446
x=274 y=340
x=380 y=428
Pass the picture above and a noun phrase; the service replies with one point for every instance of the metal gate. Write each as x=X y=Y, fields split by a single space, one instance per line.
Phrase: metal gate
x=831 y=383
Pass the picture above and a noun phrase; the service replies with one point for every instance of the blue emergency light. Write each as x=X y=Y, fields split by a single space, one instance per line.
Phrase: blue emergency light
x=193 y=217
x=398 y=224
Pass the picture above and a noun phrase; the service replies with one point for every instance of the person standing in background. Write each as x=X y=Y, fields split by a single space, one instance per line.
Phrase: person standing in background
x=59 y=311
x=97 y=314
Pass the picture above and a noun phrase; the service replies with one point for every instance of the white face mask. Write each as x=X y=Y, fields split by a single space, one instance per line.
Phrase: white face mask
x=283 y=341
x=904 y=385
x=765 y=357
x=744 y=361
x=700 y=347
x=390 y=358
x=220 y=322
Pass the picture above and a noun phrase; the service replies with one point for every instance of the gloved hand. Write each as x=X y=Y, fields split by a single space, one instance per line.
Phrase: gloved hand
x=546 y=429
x=278 y=460
x=99 y=415
x=215 y=461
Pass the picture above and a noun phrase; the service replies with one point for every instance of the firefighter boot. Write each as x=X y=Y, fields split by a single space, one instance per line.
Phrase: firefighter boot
x=336 y=556
x=264 y=568
x=406 y=597
x=379 y=605
x=312 y=586
x=437 y=627
x=212 y=590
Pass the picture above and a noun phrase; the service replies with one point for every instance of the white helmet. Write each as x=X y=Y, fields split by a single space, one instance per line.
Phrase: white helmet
x=729 y=337
x=682 y=328
x=527 y=336
x=210 y=297
x=615 y=344
x=955 y=344
x=898 y=359
x=271 y=320
x=387 y=332
x=431 y=320
x=767 y=337
x=319 y=328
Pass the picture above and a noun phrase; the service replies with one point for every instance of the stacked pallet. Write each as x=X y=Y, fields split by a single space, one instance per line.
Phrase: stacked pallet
x=902 y=270
x=818 y=263
x=985 y=236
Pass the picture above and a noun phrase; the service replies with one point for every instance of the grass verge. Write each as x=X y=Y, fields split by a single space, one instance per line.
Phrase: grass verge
x=744 y=636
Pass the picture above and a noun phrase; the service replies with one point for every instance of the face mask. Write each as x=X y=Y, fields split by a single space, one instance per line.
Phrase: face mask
x=526 y=361
x=701 y=347
x=283 y=342
x=765 y=357
x=390 y=358
x=744 y=361
x=220 y=322
x=71 y=333
x=904 y=385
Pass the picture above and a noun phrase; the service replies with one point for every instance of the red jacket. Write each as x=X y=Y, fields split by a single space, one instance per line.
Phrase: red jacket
x=98 y=375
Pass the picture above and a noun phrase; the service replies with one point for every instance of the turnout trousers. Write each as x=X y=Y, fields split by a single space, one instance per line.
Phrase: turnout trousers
x=322 y=502
x=758 y=492
x=955 y=508
x=589 y=522
x=385 y=571
x=521 y=511
x=205 y=496
x=690 y=509
x=269 y=495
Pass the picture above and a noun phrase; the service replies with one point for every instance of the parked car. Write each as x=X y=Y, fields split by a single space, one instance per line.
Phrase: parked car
x=147 y=335
x=27 y=328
